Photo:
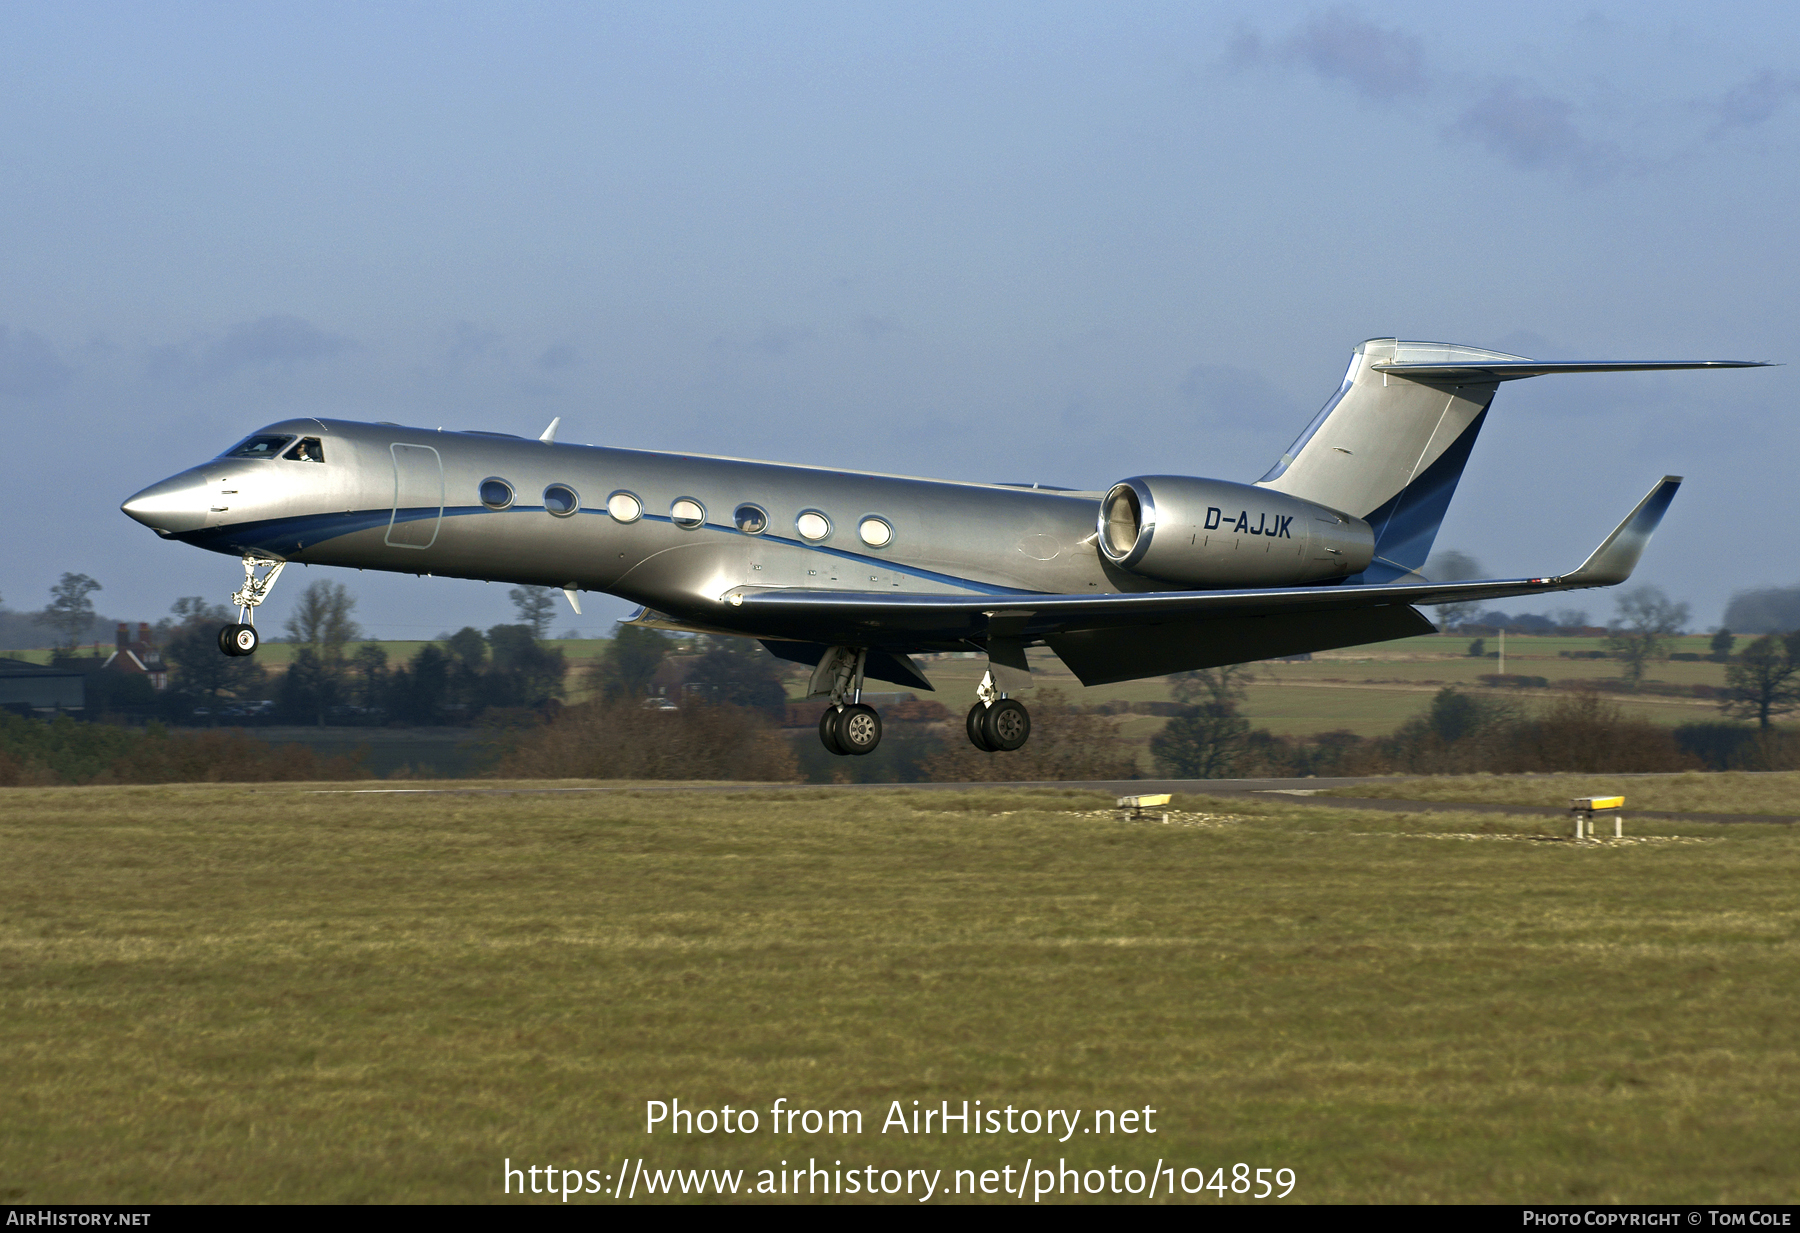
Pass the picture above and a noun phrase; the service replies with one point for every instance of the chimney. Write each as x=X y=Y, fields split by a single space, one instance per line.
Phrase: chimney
x=124 y=635
x=144 y=635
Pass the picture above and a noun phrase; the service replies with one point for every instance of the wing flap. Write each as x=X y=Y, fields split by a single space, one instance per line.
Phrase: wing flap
x=1102 y=656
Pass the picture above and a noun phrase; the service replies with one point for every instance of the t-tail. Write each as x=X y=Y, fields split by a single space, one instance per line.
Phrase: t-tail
x=1391 y=444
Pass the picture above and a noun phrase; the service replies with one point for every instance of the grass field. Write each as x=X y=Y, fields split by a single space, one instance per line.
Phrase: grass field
x=216 y=994
x=1727 y=792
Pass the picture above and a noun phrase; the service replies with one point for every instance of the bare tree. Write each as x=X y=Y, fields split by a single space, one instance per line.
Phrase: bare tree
x=1646 y=622
x=1208 y=741
x=70 y=612
x=321 y=621
x=1453 y=566
x=1765 y=682
x=1227 y=685
x=535 y=605
x=627 y=668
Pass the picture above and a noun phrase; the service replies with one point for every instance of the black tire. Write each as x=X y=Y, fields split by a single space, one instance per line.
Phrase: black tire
x=828 y=723
x=859 y=729
x=237 y=640
x=1007 y=725
x=977 y=713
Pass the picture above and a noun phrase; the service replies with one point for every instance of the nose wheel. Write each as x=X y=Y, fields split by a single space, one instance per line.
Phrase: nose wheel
x=238 y=640
x=241 y=639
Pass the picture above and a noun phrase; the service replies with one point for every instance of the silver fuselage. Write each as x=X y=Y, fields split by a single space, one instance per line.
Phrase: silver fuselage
x=409 y=500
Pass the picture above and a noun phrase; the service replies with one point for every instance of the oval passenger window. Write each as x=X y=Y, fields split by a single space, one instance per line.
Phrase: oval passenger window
x=875 y=532
x=750 y=519
x=496 y=493
x=624 y=507
x=560 y=499
x=687 y=512
x=812 y=525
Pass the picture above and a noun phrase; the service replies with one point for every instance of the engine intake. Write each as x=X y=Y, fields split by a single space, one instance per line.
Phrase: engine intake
x=1213 y=533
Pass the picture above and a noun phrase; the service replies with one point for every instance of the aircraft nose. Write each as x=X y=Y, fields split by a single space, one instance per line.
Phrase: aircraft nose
x=177 y=504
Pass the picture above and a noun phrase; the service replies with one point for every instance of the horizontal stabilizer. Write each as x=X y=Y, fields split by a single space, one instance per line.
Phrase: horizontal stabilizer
x=1513 y=370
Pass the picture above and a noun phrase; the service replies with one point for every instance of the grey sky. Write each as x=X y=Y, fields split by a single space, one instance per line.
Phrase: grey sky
x=1063 y=243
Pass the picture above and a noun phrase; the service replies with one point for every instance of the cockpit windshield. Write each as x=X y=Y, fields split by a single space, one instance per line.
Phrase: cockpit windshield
x=309 y=450
x=263 y=445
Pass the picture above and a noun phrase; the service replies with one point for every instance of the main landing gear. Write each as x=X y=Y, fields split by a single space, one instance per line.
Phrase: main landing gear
x=848 y=726
x=241 y=639
x=996 y=723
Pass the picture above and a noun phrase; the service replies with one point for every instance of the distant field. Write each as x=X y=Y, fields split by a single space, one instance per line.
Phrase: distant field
x=223 y=994
x=1366 y=690
x=279 y=655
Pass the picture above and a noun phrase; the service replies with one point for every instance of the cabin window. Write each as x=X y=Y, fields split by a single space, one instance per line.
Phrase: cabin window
x=751 y=519
x=309 y=449
x=687 y=512
x=560 y=499
x=496 y=493
x=875 y=532
x=262 y=445
x=625 y=507
x=812 y=525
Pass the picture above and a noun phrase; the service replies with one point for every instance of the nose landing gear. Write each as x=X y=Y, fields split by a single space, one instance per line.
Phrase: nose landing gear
x=241 y=639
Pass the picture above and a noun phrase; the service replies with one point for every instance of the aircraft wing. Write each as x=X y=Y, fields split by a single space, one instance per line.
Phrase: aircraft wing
x=1118 y=636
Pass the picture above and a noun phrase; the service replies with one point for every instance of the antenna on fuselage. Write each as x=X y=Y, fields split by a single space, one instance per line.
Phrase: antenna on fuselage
x=549 y=437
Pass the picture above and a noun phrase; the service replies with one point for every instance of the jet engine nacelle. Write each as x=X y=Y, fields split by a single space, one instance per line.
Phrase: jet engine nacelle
x=1215 y=534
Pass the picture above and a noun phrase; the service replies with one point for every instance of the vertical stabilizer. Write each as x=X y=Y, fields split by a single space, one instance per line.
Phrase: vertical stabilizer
x=1390 y=448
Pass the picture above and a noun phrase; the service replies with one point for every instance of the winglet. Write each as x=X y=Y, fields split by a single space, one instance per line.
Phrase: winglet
x=549 y=437
x=1613 y=561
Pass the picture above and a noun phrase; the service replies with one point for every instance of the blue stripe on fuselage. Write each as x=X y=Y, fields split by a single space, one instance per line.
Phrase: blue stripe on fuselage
x=279 y=535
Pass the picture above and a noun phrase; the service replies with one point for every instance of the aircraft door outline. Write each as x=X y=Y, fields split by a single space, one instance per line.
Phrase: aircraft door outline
x=418 y=484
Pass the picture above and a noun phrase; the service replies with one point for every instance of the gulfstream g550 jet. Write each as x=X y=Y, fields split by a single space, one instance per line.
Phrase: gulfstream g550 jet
x=853 y=572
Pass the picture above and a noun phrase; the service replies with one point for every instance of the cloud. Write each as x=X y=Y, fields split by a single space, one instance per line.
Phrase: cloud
x=874 y=327
x=469 y=343
x=1533 y=131
x=29 y=365
x=778 y=340
x=276 y=340
x=1378 y=64
x=1236 y=395
x=1753 y=102
x=1339 y=45
x=279 y=339
x=558 y=355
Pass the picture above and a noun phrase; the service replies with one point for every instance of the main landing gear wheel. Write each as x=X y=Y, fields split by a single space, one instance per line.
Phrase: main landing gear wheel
x=854 y=729
x=828 y=731
x=858 y=729
x=238 y=640
x=1007 y=725
x=977 y=713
